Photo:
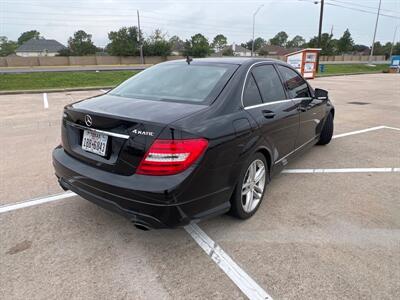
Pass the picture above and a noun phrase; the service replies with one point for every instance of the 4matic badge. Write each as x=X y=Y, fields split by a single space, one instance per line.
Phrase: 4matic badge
x=140 y=132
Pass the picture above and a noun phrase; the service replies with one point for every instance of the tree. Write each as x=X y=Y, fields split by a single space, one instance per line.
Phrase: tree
x=279 y=39
x=396 y=49
x=157 y=45
x=360 y=48
x=7 y=47
x=380 y=49
x=220 y=41
x=328 y=44
x=28 y=35
x=263 y=51
x=124 y=42
x=297 y=42
x=81 y=44
x=177 y=45
x=64 y=52
x=258 y=43
x=345 y=43
x=227 y=52
x=197 y=46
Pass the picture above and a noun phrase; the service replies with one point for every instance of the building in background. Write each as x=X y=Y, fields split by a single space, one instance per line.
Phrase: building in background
x=275 y=50
x=39 y=47
x=233 y=50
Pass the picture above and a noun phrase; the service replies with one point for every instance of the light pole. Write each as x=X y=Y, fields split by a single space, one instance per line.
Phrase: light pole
x=394 y=38
x=254 y=22
x=321 y=16
x=139 y=39
x=376 y=27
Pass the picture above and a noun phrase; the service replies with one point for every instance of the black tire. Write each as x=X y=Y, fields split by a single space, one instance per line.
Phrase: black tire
x=237 y=209
x=327 y=131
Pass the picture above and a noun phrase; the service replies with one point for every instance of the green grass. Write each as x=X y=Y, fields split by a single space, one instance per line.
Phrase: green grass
x=57 y=80
x=331 y=69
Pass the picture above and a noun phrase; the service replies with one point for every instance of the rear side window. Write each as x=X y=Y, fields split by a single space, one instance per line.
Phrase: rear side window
x=268 y=82
x=295 y=84
x=251 y=94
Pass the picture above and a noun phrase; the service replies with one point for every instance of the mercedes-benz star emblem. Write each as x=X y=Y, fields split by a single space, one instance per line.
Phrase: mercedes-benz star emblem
x=88 y=121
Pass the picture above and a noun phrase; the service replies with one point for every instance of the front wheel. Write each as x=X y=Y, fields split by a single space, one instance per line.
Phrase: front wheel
x=327 y=131
x=250 y=189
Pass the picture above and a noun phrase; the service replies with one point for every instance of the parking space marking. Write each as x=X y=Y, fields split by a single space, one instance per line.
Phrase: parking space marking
x=364 y=130
x=342 y=170
x=37 y=201
x=104 y=91
x=394 y=128
x=358 y=131
x=243 y=281
x=45 y=101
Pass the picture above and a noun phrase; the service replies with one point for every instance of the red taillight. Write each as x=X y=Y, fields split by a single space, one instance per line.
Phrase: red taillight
x=168 y=157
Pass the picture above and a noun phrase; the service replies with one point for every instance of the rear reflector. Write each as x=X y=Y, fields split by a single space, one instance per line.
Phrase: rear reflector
x=168 y=157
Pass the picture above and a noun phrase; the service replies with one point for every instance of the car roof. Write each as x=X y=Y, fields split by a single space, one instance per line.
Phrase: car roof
x=228 y=60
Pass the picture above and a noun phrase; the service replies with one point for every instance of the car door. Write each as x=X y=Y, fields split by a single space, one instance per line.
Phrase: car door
x=265 y=99
x=311 y=110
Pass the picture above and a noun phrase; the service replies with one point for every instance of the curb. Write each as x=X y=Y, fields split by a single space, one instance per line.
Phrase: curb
x=348 y=74
x=77 y=89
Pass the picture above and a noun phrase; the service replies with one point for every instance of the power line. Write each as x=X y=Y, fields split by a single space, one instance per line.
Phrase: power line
x=362 y=10
x=353 y=8
x=365 y=6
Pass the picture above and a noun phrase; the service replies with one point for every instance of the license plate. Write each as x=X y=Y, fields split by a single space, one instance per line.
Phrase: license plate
x=94 y=142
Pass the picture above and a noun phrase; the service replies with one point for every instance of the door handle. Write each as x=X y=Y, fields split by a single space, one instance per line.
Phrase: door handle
x=268 y=114
x=301 y=108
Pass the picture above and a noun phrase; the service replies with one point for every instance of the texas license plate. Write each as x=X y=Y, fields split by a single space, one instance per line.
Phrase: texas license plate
x=94 y=142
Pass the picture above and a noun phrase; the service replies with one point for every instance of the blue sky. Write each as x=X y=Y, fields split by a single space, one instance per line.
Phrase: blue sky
x=58 y=19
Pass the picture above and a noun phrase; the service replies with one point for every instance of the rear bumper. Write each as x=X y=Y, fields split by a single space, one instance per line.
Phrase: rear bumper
x=153 y=201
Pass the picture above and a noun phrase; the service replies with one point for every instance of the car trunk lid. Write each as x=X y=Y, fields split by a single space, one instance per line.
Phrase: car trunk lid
x=131 y=126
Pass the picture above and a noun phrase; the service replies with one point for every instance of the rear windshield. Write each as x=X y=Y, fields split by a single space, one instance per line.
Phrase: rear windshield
x=177 y=82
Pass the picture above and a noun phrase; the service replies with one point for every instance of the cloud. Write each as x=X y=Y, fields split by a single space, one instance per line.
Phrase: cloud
x=59 y=19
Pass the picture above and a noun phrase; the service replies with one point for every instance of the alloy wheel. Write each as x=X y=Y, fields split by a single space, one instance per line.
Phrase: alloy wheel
x=253 y=185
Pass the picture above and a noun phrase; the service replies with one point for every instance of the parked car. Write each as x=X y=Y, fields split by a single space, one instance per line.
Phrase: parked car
x=186 y=140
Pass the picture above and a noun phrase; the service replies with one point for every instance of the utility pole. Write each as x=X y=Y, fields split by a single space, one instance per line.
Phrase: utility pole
x=394 y=38
x=376 y=27
x=254 y=22
x=321 y=16
x=139 y=39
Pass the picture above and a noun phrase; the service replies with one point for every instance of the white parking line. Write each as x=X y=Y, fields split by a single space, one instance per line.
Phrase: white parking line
x=364 y=130
x=45 y=101
x=343 y=170
x=394 y=128
x=37 y=201
x=358 y=131
x=243 y=281
x=104 y=91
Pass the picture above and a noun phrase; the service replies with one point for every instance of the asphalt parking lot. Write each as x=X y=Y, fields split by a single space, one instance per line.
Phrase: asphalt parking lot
x=328 y=228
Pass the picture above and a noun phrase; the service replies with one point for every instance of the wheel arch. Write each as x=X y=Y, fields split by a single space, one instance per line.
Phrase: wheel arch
x=268 y=157
x=332 y=111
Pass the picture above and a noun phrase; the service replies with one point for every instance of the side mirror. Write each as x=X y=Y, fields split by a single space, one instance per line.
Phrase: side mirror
x=321 y=94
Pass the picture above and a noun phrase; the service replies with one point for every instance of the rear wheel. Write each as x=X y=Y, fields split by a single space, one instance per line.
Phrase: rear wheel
x=327 y=131
x=250 y=190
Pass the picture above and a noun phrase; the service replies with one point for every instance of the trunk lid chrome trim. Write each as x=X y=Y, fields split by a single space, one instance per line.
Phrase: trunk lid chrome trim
x=118 y=135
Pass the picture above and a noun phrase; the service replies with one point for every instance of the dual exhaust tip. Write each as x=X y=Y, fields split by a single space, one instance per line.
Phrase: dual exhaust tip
x=141 y=226
x=138 y=225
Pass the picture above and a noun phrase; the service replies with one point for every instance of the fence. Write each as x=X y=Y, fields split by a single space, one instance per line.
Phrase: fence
x=46 y=61
x=16 y=61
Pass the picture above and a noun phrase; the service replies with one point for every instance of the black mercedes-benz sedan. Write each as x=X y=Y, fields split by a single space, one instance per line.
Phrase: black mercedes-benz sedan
x=189 y=139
